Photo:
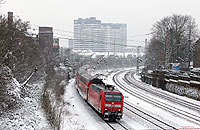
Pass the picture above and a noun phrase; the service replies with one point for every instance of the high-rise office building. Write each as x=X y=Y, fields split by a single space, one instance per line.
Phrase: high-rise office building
x=93 y=35
x=115 y=37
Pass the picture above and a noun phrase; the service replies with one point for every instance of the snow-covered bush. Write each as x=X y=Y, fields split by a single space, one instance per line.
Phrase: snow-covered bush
x=52 y=98
x=10 y=90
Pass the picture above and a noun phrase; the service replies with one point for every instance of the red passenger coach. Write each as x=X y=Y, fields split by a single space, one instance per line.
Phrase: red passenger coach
x=107 y=100
x=83 y=82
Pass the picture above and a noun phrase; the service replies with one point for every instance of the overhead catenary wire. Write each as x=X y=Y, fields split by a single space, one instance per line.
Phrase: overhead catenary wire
x=69 y=37
x=142 y=34
x=94 y=35
x=96 y=42
x=99 y=42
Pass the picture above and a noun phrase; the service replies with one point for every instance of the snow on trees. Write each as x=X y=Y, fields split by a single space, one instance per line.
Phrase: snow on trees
x=173 y=38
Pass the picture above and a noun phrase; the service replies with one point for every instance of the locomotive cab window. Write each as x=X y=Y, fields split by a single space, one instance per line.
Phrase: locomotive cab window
x=113 y=97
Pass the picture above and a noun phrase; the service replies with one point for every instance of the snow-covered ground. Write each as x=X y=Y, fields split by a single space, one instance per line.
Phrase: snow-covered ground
x=77 y=114
x=30 y=115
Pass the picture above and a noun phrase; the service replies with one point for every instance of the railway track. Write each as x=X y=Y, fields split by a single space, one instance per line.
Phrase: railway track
x=116 y=125
x=158 y=123
x=129 y=78
x=133 y=91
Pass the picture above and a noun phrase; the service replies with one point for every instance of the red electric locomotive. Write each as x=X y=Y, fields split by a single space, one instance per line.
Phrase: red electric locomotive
x=107 y=100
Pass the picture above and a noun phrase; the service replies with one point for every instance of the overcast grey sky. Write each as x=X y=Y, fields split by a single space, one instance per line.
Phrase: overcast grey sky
x=139 y=15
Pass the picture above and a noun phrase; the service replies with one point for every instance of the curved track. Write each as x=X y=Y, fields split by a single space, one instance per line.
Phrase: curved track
x=129 y=78
x=130 y=87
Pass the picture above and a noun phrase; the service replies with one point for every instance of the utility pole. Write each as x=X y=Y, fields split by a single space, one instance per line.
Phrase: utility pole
x=172 y=46
x=114 y=41
x=166 y=53
x=146 y=48
x=189 y=49
x=189 y=57
x=137 y=63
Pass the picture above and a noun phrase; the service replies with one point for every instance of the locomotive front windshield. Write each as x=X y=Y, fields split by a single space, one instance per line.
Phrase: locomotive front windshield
x=113 y=97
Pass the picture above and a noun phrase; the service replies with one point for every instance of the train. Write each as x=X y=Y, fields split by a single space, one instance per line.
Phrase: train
x=104 y=98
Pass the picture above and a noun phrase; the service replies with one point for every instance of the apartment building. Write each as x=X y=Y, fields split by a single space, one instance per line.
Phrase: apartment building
x=92 y=34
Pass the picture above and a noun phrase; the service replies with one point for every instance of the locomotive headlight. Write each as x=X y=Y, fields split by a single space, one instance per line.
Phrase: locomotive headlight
x=119 y=114
x=106 y=109
x=119 y=110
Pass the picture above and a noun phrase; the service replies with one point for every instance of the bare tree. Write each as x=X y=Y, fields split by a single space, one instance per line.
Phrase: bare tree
x=176 y=33
x=18 y=50
x=155 y=54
